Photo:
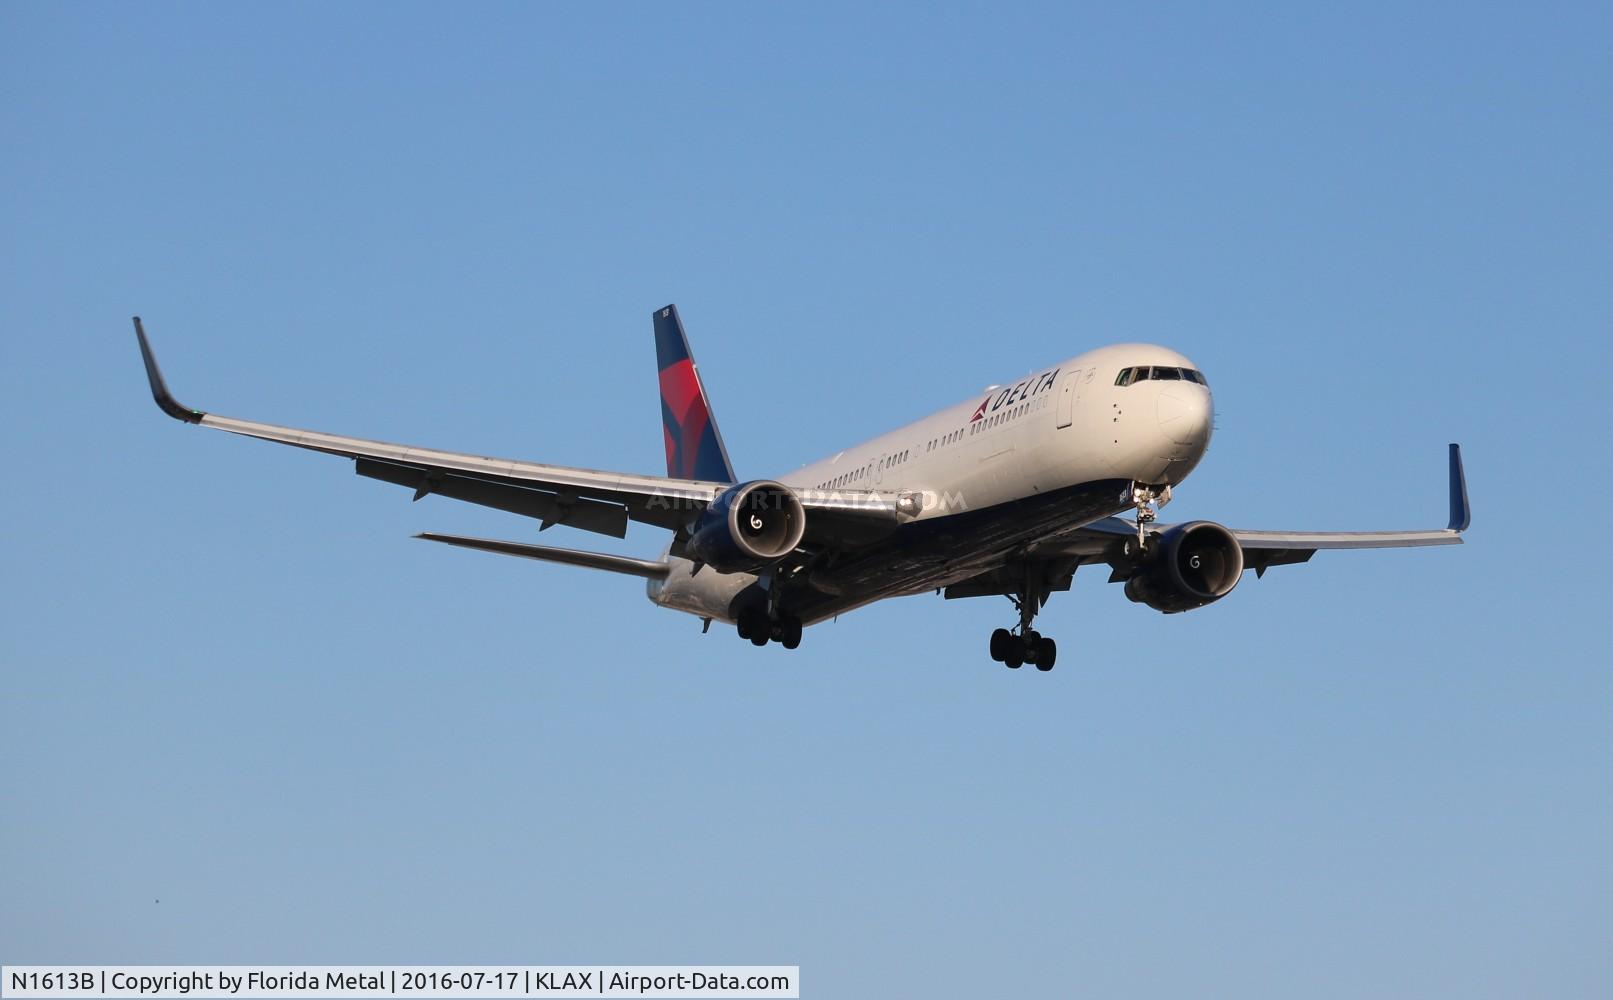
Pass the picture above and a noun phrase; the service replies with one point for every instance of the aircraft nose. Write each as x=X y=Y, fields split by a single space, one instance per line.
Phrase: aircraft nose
x=1185 y=417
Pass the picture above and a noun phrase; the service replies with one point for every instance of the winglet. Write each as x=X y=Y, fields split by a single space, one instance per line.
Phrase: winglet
x=159 y=388
x=1461 y=514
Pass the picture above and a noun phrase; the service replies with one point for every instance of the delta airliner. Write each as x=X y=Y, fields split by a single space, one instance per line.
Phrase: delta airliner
x=1005 y=494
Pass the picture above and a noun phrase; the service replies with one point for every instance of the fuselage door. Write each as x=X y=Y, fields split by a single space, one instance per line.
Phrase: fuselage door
x=1068 y=387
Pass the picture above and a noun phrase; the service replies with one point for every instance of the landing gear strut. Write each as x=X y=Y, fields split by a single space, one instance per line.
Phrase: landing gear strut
x=1024 y=644
x=1148 y=502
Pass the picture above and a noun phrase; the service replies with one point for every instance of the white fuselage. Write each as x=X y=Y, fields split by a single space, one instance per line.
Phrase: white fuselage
x=1059 y=427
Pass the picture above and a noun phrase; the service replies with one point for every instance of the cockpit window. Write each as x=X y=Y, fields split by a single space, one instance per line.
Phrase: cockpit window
x=1144 y=373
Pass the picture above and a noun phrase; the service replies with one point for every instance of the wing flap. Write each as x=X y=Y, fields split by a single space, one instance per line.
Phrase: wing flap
x=548 y=507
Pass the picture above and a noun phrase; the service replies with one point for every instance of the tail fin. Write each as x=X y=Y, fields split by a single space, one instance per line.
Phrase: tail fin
x=694 y=448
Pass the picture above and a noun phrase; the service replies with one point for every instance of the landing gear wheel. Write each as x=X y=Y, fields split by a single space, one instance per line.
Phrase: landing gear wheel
x=753 y=623
x=759 y=640
x=1014 y=657
x=792 y=633
x=1047 y=651
x=1000 y=641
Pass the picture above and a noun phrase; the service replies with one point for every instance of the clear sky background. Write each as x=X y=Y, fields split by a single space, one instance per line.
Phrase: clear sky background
x=233 y=683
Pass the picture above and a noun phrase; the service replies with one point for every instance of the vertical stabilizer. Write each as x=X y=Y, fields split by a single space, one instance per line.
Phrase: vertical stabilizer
x=694 y=448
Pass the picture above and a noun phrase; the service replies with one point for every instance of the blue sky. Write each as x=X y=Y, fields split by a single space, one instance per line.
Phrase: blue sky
x=233 y=683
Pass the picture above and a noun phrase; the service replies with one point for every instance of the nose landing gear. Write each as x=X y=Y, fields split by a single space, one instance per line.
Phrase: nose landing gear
x=1148 y=502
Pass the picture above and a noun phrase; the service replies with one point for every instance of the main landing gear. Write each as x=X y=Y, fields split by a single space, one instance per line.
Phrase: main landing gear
x=1024 y=644
x=756 y=626
x=1029 y=646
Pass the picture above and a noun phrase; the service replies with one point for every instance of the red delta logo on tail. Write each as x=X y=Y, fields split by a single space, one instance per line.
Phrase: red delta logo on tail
x=694 y=448
x=684 y=418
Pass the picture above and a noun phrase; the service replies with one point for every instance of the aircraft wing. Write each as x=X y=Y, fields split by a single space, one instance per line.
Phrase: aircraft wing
x=1265 y=548
x=590 y=499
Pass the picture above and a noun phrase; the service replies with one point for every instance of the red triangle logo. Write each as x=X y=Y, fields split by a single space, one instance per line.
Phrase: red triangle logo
x=980 y=411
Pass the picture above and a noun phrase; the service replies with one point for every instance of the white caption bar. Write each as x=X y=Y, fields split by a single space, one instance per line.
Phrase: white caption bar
x=162 y=982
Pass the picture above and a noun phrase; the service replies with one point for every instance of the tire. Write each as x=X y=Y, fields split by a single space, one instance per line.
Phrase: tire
x=753 y=623
x=1000 y=641
x=1014 y=657
x=759 y=640
x=1047 y=651
x=792 y=633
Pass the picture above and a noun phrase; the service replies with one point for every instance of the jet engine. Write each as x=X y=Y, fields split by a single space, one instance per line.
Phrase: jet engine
x=1187 y=567
x=748 y=527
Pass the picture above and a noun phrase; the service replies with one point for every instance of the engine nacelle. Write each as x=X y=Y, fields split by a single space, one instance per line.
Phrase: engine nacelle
x=748 y=527
x=1187 y=567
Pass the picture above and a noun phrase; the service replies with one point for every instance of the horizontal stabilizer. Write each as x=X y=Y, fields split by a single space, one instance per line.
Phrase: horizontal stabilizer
x=572 y=557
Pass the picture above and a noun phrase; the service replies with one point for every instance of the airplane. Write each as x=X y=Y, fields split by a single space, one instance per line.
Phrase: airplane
x=1006 y=493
